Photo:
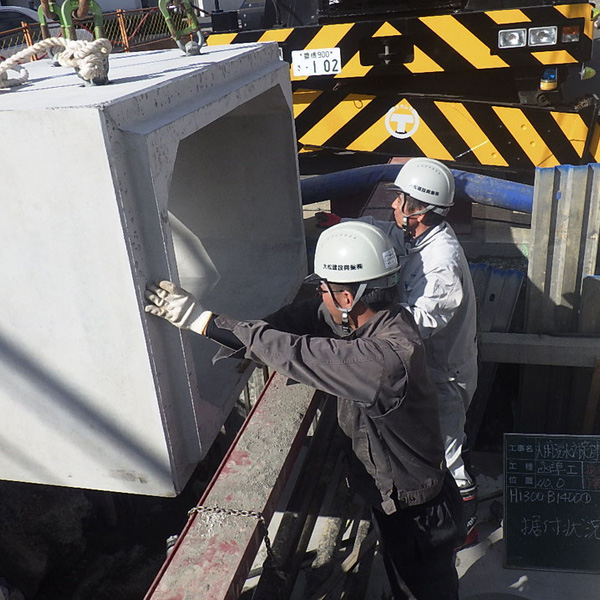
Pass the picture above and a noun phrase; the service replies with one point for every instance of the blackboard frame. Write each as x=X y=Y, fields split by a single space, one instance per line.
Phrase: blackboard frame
x=552 y=502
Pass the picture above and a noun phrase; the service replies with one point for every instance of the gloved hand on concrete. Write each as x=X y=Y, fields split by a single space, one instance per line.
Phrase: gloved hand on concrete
x=327 y=219
x=177 y=306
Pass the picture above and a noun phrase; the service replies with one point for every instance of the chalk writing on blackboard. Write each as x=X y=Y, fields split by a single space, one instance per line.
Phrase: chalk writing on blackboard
x=556 y=526
x=552 y=501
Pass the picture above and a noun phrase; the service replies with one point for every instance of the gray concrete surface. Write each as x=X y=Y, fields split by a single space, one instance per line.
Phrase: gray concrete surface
x=182 y=168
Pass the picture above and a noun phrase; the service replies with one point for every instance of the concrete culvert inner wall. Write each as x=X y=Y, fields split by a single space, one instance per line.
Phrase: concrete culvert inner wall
x=233 y=214
x=183 y=168
x=231 y=209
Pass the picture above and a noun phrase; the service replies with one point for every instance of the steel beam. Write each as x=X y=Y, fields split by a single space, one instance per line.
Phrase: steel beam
x=535 y=349
x=215 y=551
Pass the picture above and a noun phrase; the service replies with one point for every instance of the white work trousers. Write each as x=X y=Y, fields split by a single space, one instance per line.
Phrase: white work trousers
x=454 y=399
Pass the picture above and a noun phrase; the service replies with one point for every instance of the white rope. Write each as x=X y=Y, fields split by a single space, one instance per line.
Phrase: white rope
x=5 y=82
x=88 y=57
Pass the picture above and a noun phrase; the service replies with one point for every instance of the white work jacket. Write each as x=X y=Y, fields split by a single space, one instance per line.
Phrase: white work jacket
x=436 y=287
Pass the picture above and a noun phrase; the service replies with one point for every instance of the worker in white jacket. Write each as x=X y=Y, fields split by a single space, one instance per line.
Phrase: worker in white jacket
x=436 y=287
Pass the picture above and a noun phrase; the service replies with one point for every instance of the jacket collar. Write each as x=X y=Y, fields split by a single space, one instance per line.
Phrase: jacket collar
x=367 y=328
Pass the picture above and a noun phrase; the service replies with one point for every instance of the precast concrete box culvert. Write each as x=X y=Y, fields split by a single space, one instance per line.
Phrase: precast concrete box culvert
x=183 y=168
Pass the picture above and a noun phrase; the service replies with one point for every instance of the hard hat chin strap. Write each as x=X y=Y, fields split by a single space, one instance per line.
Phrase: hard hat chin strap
x=406 y=216
x=430 y=207
x=439 y=210
x=345 y=311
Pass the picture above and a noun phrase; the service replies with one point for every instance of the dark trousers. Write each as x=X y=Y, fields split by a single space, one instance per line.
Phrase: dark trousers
x=418 y=545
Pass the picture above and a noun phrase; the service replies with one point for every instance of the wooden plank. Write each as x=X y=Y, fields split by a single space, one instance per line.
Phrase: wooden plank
x=543 y=221
x=589 y=313
x=591 y=408
x=491 y=299
x=535 y=349
x=564 y=245
x=511 y=288
x=564 y=248
x=585 y=391
x=213 y=555
x=496 y=292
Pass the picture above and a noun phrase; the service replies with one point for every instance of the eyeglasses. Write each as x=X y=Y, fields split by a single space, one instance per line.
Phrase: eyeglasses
x=321 y=291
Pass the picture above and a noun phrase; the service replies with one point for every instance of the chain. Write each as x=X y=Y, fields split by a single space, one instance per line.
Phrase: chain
x=236 y=512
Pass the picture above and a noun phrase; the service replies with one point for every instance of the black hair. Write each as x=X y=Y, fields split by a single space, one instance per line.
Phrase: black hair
x=376 y=298
x=380 y=298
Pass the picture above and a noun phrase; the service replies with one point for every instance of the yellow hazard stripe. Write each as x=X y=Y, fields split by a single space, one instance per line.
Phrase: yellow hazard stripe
x=221 y=39
x=270 y=35
x=429 y=144
x=371 y=138
x=503 y=17
x=552 y=57
x=424 y=138
x=469 y=46
x=335 y=119
x=574 y=11
x=354 y=67
x=471 y=133
x=275 y=35
x=329 y=36
x=386 y=30
x=574 y=128
x=595 y=143
x=526 y=136
x=422 y=63
x=302 y=99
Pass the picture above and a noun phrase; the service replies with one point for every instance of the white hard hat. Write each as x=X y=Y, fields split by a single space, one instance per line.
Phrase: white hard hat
x=356 y=252
x=428 y=181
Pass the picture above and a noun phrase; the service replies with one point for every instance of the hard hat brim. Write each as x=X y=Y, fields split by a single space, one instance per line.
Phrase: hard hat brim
x=312 y=278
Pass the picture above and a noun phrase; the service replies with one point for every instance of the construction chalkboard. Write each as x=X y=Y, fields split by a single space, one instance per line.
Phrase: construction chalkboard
x=552 y=502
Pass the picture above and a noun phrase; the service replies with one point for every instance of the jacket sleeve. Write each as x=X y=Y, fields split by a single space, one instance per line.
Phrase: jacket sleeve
x=434 y=299
x=357 y=369
x=298 y=317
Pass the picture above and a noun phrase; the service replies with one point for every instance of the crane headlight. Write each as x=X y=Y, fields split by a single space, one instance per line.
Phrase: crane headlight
x=512 y=38
x=543 y=36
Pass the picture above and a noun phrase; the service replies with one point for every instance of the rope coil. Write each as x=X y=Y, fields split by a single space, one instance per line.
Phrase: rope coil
x=89 y=59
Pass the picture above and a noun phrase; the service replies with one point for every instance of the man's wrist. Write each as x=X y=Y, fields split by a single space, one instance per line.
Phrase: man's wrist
x=200 y=324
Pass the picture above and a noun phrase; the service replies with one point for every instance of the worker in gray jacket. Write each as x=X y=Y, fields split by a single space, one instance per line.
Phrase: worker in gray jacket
x=435 y=285
x=355 y=342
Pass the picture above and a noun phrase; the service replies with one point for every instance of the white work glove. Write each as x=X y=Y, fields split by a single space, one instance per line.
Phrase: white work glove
x=177 y=306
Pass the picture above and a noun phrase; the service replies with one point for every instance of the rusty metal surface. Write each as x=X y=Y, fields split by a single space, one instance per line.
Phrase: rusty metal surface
x=215 y=551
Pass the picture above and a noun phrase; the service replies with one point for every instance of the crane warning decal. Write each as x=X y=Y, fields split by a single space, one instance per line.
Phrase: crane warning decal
x=471 y=133
x=473 y=87
x=402 y=120
x=467 y=41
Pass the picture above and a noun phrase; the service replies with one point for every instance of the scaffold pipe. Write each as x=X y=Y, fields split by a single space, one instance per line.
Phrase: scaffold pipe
x=469 y=187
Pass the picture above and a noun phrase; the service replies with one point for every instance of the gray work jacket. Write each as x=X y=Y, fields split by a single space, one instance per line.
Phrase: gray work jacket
x=435 y=285
x=386 y=404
